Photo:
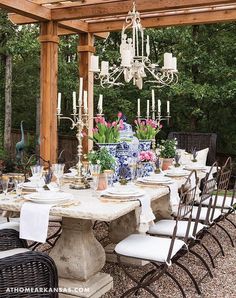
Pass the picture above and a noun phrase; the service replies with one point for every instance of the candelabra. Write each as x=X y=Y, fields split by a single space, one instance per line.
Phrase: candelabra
x=160 y=117
x=79 y=120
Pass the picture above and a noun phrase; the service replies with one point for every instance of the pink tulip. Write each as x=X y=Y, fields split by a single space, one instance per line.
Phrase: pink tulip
x=120 y=115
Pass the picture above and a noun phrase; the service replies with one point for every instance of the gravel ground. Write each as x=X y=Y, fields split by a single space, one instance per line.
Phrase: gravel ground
x=221 y=286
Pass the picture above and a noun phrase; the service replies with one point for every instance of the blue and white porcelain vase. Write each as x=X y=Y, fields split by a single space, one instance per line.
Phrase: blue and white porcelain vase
x=111 y=147
x=144 y=145
x=146 y=168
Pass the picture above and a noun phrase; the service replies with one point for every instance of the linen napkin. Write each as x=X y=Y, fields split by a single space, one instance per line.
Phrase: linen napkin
x=174 y=195
x=34 y=221
x=145 y=214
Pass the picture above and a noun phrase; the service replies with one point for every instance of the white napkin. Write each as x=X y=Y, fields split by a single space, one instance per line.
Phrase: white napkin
x=174 y=195
x=145 y=214
x=34 y=221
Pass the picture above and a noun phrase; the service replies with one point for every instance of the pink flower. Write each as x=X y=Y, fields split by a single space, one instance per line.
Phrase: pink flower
x=109 y=124
x=95 y=130
x=114 y=123
x=119 y=115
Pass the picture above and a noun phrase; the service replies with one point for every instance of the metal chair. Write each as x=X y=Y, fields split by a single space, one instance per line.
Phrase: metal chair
x=162 y=252
x=25 y=273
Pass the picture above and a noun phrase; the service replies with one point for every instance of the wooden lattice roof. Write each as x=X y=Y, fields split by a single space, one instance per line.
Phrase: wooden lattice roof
x=95 y=16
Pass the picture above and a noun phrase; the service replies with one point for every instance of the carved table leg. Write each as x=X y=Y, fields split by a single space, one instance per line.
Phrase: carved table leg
x=79 y=257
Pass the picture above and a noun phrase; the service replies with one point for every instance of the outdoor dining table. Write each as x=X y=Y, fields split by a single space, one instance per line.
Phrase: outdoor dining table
x=78 y=255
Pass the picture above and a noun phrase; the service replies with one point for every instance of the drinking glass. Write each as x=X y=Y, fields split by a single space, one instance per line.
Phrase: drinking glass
x=133 y=168
x=95 y=170
x=5 y=181
x=18 y=184
x=37 y=171
x=58 y=171
x=109 y=176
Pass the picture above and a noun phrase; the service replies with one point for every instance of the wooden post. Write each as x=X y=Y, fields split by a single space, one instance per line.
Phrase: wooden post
x=85 y=50
x=48 y=91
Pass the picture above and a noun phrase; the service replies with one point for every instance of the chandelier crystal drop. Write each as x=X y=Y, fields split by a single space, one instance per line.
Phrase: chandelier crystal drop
x=135 y=64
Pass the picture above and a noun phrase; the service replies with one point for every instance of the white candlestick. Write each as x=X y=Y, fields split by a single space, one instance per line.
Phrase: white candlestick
x=74 y=102
x=159 y=106
x=100 y=103
x=174 y=63
x=153 y=100
x=148 y=102
x=168 y=106
x=94 y=63
x=80 y=91
x=85 y=102
x=126 y=58
x=59 y=103
x=138 y=112
x=104 y=68
x=168 y=63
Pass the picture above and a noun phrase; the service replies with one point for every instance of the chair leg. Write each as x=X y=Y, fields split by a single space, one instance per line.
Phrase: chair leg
x=208 y=253
x=217 y=241
x=203 y=261
x=190 y=275
x=227 y=233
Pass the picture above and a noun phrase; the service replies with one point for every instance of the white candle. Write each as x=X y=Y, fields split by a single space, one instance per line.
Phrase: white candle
x=80 y=91
x=174 y=63
x=94 y=63
x=59 y=103
x=104 y=68
x=148 y=108
x=168 y=64
x=153 y=100
x=74 y=102
x=85 y=102
x=159 y=106
x=168 y=106
x=138 y=113
x=126 y=58
x=100 y=102
x=148 y=46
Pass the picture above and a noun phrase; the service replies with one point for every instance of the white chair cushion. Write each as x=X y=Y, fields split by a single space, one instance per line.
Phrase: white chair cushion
x=186 y=158
x=147 y=247
x=219 y=202
x=12 y=252
x=10 y=225
x=203 y=213
x=166 y=227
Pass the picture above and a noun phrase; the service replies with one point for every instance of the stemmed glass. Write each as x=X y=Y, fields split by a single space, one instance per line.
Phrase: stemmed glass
x=133 y=168
x=95 y=170
x=18 y=180
x=109 y=176
x=58 y=171
x=37 y=171
x=5 y=181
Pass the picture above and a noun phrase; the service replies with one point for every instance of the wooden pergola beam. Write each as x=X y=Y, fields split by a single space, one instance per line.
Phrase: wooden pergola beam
x=122 y=7
x=64 y=27
x=27 y=8
x=169 y=20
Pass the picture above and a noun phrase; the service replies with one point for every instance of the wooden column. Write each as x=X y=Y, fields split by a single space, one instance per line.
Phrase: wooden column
x=48 y=91
x=85 y=50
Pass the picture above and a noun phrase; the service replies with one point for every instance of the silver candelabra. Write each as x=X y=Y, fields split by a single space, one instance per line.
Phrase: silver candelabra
x=79 y=120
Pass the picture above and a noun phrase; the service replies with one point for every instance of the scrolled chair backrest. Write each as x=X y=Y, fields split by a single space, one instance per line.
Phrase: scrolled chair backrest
x=187 y=199
x=223 y=179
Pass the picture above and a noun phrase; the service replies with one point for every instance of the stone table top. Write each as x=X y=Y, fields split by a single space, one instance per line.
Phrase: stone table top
x=90 y=207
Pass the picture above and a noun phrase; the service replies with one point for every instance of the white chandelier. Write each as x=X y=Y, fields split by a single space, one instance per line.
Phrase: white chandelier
x=135 y=64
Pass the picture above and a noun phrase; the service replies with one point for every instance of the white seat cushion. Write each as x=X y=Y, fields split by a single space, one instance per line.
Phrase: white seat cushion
x=147 y=247
x=203 y=213
x=219 y=202
x=10 y=225
x=166 y=227
x=12 y=252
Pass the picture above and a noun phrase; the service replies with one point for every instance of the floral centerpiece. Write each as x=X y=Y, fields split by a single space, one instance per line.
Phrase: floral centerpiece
x=147 y=160
x=146 y=131
x=107 y=134
x=167 y=151
x=107 y=162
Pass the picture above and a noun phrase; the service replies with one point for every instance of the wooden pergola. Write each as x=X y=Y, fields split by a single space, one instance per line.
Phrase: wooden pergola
x=95 y=18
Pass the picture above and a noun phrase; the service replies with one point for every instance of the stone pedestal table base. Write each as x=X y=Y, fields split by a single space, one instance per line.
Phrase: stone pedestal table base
x=79 y=257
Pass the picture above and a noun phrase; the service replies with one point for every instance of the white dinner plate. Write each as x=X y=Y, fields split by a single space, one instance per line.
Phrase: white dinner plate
x=142 y=180
x=30 y=185
x=48 y=197
x=156 y=179
x=195 y=167
x=139 y=193
x=69 y=175
x=123 y=191
x=181 y=173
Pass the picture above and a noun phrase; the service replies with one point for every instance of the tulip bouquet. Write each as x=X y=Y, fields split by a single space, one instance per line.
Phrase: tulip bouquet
x=147 y=129
x=107 y=132
x=147 y=156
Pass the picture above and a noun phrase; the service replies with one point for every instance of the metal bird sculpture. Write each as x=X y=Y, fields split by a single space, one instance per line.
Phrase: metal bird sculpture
x=20 y=145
